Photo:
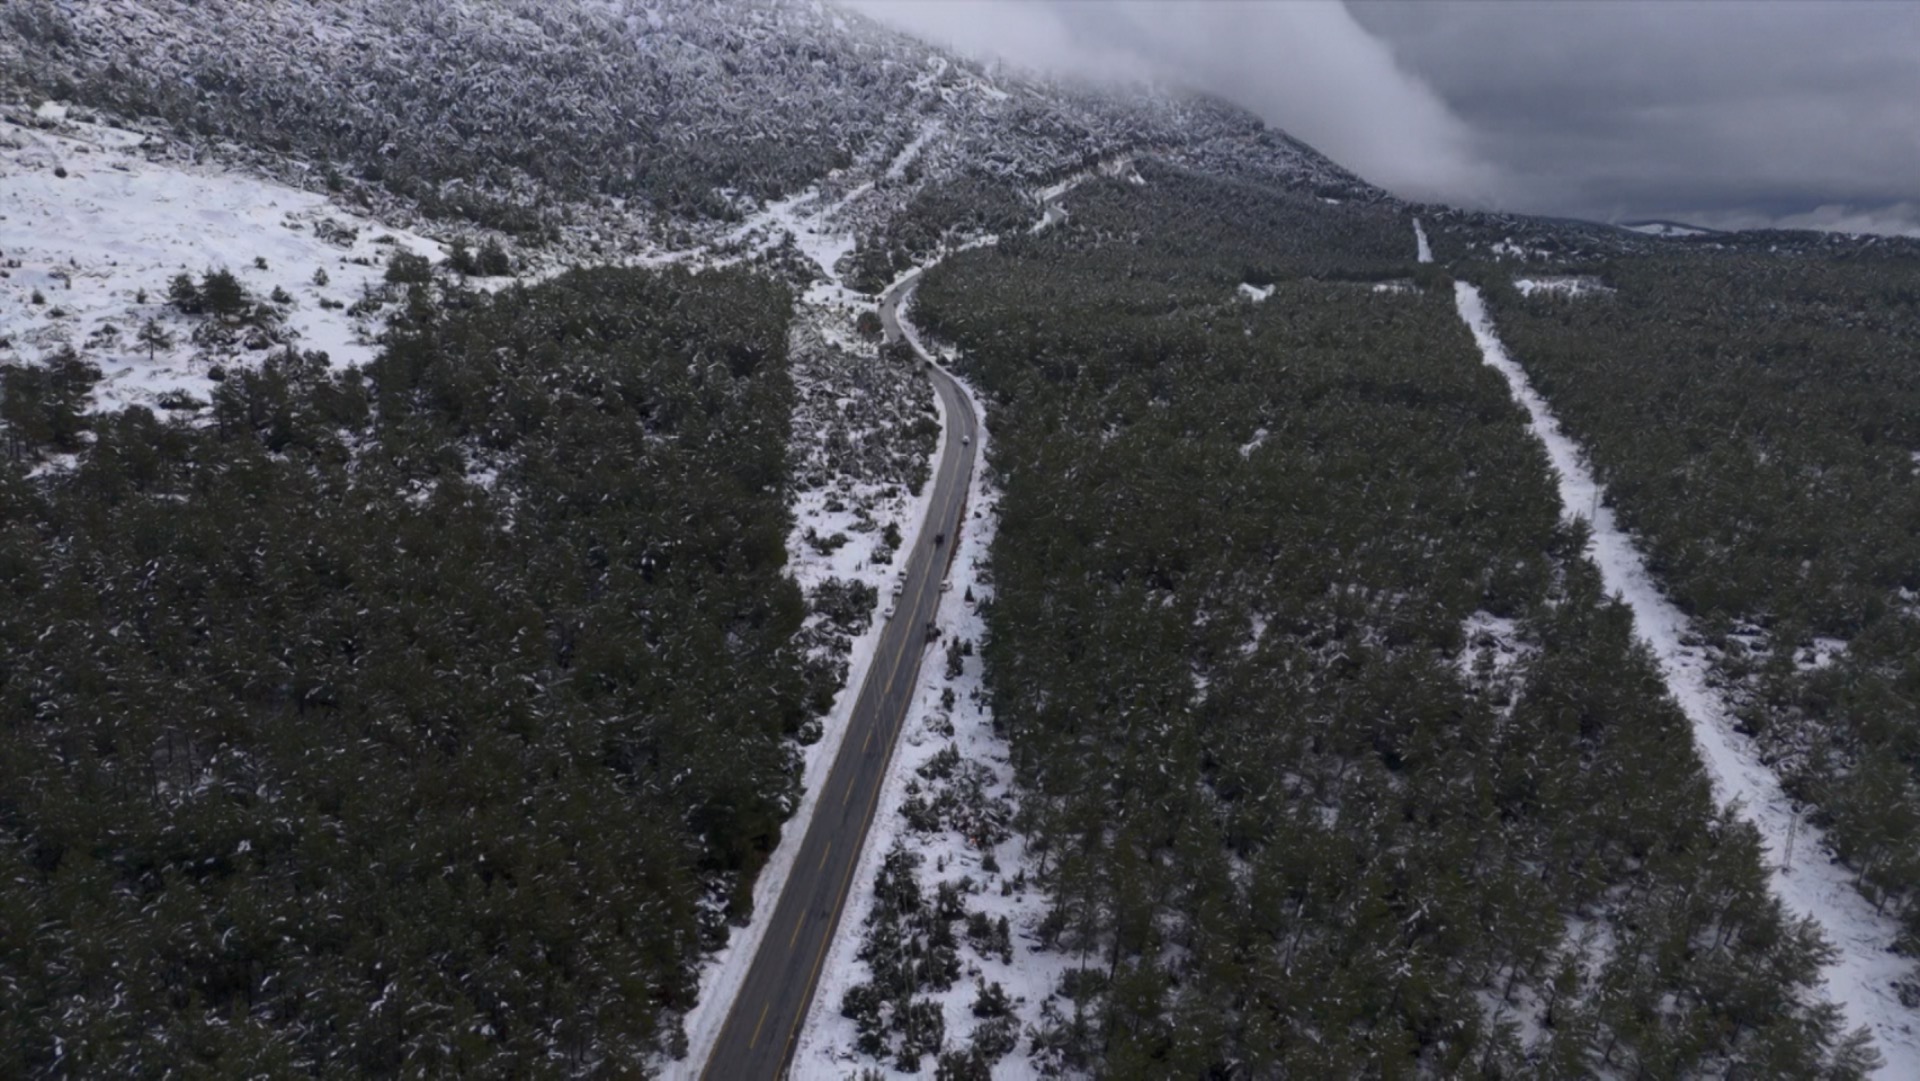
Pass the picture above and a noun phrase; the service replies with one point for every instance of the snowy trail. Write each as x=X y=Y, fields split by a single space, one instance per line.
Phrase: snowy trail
x=1861 y=979
x=1052 y=212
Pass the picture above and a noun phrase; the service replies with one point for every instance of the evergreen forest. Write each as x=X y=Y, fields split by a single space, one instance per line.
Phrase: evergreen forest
x=428 y=719
x=1340 y=761
x=1755 y=416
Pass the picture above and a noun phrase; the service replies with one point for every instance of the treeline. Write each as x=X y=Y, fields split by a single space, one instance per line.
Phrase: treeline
x=1183 y=240
x=1755 y=416
x=426 y=719
x=1297 y=819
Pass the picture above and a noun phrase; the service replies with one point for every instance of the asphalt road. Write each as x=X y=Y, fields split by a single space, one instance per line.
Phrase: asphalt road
x=757 y=1039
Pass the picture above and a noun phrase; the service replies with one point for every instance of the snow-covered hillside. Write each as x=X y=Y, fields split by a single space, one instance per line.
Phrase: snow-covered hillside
x=612 y=126
x=95 y=221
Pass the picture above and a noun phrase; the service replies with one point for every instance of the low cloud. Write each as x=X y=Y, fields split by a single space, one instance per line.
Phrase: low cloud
x=1309 y=68
x=1733 y=114
x=1894 y=219
x=1804 y=115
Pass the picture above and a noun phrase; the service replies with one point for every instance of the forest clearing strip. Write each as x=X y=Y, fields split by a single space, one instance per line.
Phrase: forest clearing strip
x=1861 y=978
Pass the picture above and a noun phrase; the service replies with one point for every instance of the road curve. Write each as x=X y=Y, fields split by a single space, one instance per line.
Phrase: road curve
x=756 y=1040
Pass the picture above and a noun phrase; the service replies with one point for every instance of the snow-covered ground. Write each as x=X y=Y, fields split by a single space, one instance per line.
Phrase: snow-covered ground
x=898 y=167
x=1664 y=228
x=123 y=221
x=1861 y=978
x=1422 y=253
x=1255 y=293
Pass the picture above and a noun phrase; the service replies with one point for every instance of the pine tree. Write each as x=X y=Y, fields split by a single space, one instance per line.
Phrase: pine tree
x=183 y=294
x=222 y=294
x=154 y=337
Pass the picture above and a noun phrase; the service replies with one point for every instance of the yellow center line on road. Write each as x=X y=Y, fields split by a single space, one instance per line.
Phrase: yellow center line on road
x=824 y=855
x=757 y=1024
x=839 y=902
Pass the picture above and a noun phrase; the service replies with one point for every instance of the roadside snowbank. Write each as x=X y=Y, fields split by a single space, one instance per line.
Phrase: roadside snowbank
x=1861 y=979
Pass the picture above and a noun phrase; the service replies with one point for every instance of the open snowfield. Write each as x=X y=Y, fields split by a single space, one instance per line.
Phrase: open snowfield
x=125 y=219
x=1861 y=978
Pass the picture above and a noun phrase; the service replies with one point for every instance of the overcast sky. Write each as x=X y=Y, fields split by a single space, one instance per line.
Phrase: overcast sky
x=1729 y=112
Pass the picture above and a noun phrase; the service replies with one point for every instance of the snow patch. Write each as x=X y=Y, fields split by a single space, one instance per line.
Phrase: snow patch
x=118 y=224
x=1421 y=252
x=1495 y=638
x=1256 y=633
x=1577 y=285
x=1255 y=293
x=1507 y=249
x=1820 y=653
x=1251 y=445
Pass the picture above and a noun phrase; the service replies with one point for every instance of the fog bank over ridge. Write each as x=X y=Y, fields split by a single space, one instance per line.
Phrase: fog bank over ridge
x=1308 y=68
x=1729 y=114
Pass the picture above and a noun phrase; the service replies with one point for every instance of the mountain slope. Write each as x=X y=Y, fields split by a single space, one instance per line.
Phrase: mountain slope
x=502 y=113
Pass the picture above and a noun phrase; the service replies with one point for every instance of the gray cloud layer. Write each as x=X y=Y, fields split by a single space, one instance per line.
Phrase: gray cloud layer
x=1728 y=113
x=1736 y=112
x=1307 y=66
